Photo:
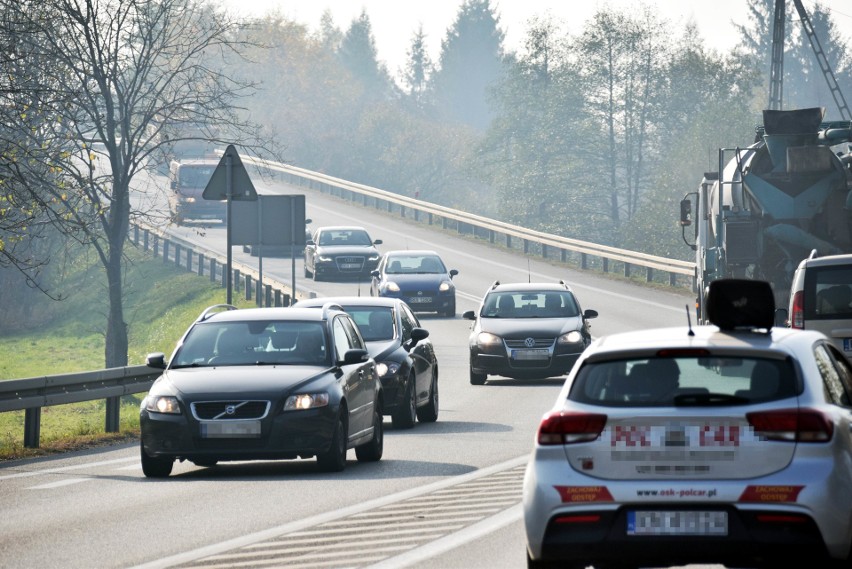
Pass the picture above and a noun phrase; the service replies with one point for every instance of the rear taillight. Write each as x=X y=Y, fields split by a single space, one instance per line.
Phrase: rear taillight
x=797 y=317
x=794 y=425
x=564 y=428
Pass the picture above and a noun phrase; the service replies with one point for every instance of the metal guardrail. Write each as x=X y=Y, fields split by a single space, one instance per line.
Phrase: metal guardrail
x=491 y=228
x=34 y=393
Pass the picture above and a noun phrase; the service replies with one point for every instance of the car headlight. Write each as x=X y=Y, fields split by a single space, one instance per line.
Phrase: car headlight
x=323 y=259
x=391 y=286
x=373 y=258
x=572 y=337
x=488 y=339
x=385 y=369
x=302 y=401
x=162 y=404
x=445 y=286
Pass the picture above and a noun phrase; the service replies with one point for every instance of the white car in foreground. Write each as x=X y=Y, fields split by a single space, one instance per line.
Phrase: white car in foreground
x=725 y=443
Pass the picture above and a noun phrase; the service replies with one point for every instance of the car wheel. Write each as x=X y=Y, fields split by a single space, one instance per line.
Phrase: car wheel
x=429 y=412
x=405 y=415
x=372 y=451
x=155 y=467
x=308 y=274
x=477 y=378
x=334 y=460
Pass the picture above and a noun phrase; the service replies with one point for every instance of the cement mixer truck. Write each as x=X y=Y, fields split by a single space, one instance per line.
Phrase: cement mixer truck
x=771 y=204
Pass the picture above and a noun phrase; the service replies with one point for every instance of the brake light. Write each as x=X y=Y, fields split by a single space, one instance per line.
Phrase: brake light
x=793 y=425
x=564 y=428
x=797 y=317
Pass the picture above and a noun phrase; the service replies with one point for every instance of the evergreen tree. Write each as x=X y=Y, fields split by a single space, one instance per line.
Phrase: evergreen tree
x=359 y=56
x=469 y=65
x=418 y=68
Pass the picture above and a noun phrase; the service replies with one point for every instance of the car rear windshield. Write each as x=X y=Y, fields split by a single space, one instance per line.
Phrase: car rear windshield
x=658 y=381
x=376 y=323
x=415 y=264
x=530 y=304
x=253 y=343
x=828 y=293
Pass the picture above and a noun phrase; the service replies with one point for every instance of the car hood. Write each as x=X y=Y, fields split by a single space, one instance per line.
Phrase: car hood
x=422 y=280
x=523 y=327
x=380 y=350
x=347 y=250
x=242 y=380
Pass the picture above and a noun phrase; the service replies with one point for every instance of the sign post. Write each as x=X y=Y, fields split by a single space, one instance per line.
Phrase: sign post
x=230 y=173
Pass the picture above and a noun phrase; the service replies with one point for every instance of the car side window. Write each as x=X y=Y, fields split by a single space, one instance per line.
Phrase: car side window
x=356 y=341
x=832 y=373
x=341 y=338
x=407 y=324
x=844 y=374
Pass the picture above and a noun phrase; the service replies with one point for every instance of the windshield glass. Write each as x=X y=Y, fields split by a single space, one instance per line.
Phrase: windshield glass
x=530 y=304
x=346 y=237
x=653 y=382
x=195 y=176
x=250 y=343
x=415 y=264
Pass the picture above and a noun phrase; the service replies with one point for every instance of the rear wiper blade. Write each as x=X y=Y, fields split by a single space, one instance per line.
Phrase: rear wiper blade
x=709 y=399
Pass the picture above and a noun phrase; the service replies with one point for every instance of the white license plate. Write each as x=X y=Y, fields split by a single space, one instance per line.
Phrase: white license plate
x=419 y=299
x=686 y=522
x=350 y=265
x=538 y=354
x=230 y=430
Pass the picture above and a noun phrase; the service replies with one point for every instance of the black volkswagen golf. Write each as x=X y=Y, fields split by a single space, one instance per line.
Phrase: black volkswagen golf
x=262 y=384
x=527 y=330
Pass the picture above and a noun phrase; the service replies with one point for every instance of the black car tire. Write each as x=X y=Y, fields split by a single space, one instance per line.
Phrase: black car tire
x=451 y=310
x=334 y=460
x=155 y=467
x=372 y=451
x=429 y=412
x=308 y=274
x=406 y=414
x=477 y=378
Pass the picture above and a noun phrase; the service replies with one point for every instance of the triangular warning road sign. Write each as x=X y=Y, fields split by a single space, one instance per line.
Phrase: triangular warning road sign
x=217 y=188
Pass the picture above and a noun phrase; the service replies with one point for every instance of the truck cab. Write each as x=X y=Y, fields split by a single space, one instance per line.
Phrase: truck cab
x=187 y=180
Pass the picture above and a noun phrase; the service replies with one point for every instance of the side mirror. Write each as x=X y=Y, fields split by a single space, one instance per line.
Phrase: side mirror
x=453 y=272
x=156 y=360
x=377 y=242
x=469 y=315
x=417 y=334
x=375 y=274
x=685 y=213
x=589 y=314
x=310 y=242
x=355 y=356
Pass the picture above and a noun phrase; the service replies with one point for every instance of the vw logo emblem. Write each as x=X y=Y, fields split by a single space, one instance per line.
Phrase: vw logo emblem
x=529 y=342
x=230 y=409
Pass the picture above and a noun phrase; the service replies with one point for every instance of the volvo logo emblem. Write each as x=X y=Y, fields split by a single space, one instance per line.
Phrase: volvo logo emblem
x=230 y=409
x=529 y=342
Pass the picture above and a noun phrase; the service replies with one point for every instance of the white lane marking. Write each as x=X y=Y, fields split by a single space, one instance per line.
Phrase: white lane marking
x=481 y=260
x=62 y=469
x=137 y=466
x=59 y=483
x=454 y=540
x=274 y=532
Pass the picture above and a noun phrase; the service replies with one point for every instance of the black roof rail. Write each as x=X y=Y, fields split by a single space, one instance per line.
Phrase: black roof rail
x=215 y=309
x=813 y=254
x=495 y=285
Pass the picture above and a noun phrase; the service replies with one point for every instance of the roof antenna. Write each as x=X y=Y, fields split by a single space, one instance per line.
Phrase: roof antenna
x=689 y=320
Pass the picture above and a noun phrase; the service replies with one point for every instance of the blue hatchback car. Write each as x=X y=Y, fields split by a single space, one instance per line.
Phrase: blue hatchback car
x=420 y=278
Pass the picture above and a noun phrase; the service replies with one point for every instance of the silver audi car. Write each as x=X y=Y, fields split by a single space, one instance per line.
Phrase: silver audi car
x=728 y=443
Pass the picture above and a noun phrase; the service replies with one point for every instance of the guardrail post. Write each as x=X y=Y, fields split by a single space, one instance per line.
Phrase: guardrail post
x=563 y=255
x=201 y=264
x=145 y=236
x=543 y=251
x=672 y=279
x=32 y=427
x=285 y=299
x=277 y=297
x=156 y=245
x=526 y=246
x=224 y=276
x=605 y=264
x=402 y=211
x=166 y=250
x=189 y=260
x=626 y=269
x=508 y=241
x=268 y=295
x=584 y=261
x=258 y=293
x=177 y=254
x=649 y=274
x=248 y=287
x=430 y=219
x=444 y=222
x=113 y=404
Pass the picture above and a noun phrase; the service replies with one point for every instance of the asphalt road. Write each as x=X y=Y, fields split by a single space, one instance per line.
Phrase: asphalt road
x=445 y=495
